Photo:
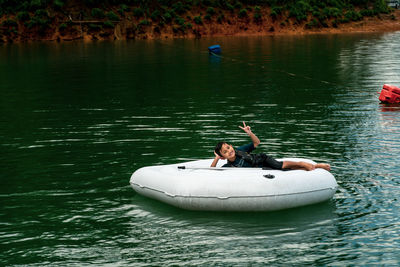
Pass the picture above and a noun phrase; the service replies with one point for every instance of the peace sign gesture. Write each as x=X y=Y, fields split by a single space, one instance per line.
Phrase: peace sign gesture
x=246 y=128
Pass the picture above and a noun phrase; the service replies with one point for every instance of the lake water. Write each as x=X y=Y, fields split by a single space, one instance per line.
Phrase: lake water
x=78 y=118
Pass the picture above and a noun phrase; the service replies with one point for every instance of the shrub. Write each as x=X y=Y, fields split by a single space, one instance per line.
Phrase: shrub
x=182 y=27
x=165 y=2
x=42 y=23
x=198 y=20
x=91 y=2
x=155 y=15
x=299 y=10
x=210 y=11
x=108 y=24
x=207 y=17
x=311 y=24
x=35 y=4
x=318 y=14
x=41 y=19
x=275 y=12
x=97 y=13
x=332 y=12
x=178 y=7
x=172 y=13
x=238 y=5
x=9 y=23
x=207 y=2
x=122 y=9
x=161 y=23
x=62 y=27
x=353 y=15
x=243 y=13
x=144 y=22
x=229 y=7
x=319 y=4
x=41 y=13
x=324 y=23
x=23 y=16
x=95 y=27
x=138 y=12
x=29 y=24
x=180 y=21
x=339 y=3
x=367 y=13
x=257 y=14
x=112 y=16
x=58 y=3
x=189 y=25
x=380 y=6
x=220 y=18
x=188 y=6
x=167 y=17
x=277 y=9
x=257 y=17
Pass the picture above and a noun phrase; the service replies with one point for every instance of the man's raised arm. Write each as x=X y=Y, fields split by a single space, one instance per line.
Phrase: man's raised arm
x=253 y=137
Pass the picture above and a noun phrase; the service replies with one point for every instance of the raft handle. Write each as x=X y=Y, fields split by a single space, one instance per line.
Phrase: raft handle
x=269 y=176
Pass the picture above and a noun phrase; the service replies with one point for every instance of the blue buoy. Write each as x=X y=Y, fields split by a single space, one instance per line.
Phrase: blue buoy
x=214 y=49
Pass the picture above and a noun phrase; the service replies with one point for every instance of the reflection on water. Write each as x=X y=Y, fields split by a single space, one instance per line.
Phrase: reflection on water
x=80 y=118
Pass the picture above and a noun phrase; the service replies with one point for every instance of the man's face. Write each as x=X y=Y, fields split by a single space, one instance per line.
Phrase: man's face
x=227 y=151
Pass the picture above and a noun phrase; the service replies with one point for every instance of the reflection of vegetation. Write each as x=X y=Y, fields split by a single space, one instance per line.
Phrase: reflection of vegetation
x=44 y=15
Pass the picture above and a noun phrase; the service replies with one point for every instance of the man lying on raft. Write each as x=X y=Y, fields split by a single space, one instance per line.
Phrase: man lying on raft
x=241 y=157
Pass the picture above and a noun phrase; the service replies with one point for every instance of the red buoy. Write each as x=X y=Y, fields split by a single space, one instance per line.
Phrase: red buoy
x=390 y=94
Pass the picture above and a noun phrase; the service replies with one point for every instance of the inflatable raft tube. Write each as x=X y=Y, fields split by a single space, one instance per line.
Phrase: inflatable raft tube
x=195 y=186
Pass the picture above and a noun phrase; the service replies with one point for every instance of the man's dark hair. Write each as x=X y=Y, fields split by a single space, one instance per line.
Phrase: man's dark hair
x=218 y=148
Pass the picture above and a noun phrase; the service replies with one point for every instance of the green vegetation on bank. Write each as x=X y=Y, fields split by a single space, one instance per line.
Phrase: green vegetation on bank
x=43 y=17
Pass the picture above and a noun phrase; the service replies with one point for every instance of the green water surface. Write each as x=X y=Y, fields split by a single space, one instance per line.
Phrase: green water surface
x=78 y=118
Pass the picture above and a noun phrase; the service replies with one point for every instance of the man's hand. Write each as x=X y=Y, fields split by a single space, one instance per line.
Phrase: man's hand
x=216 y=159
x=253 y=137
x=217 y=156
x=246 y=128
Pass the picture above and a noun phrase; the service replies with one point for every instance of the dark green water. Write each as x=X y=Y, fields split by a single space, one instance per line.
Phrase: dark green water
x=77 y=119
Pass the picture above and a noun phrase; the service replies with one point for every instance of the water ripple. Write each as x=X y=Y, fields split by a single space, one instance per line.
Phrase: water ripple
x=66 y=165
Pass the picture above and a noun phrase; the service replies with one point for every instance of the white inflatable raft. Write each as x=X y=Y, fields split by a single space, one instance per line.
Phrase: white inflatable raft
x=194 y=186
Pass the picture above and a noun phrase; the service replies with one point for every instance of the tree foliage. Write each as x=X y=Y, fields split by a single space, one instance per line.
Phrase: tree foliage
x=40 y=14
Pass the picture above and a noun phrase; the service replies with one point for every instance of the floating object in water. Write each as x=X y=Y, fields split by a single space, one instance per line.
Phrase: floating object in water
x=214 y=49
x=390 y=94
x=195 y=186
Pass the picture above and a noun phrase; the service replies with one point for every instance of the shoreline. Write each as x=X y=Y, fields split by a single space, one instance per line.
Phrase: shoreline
x=124 y=30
